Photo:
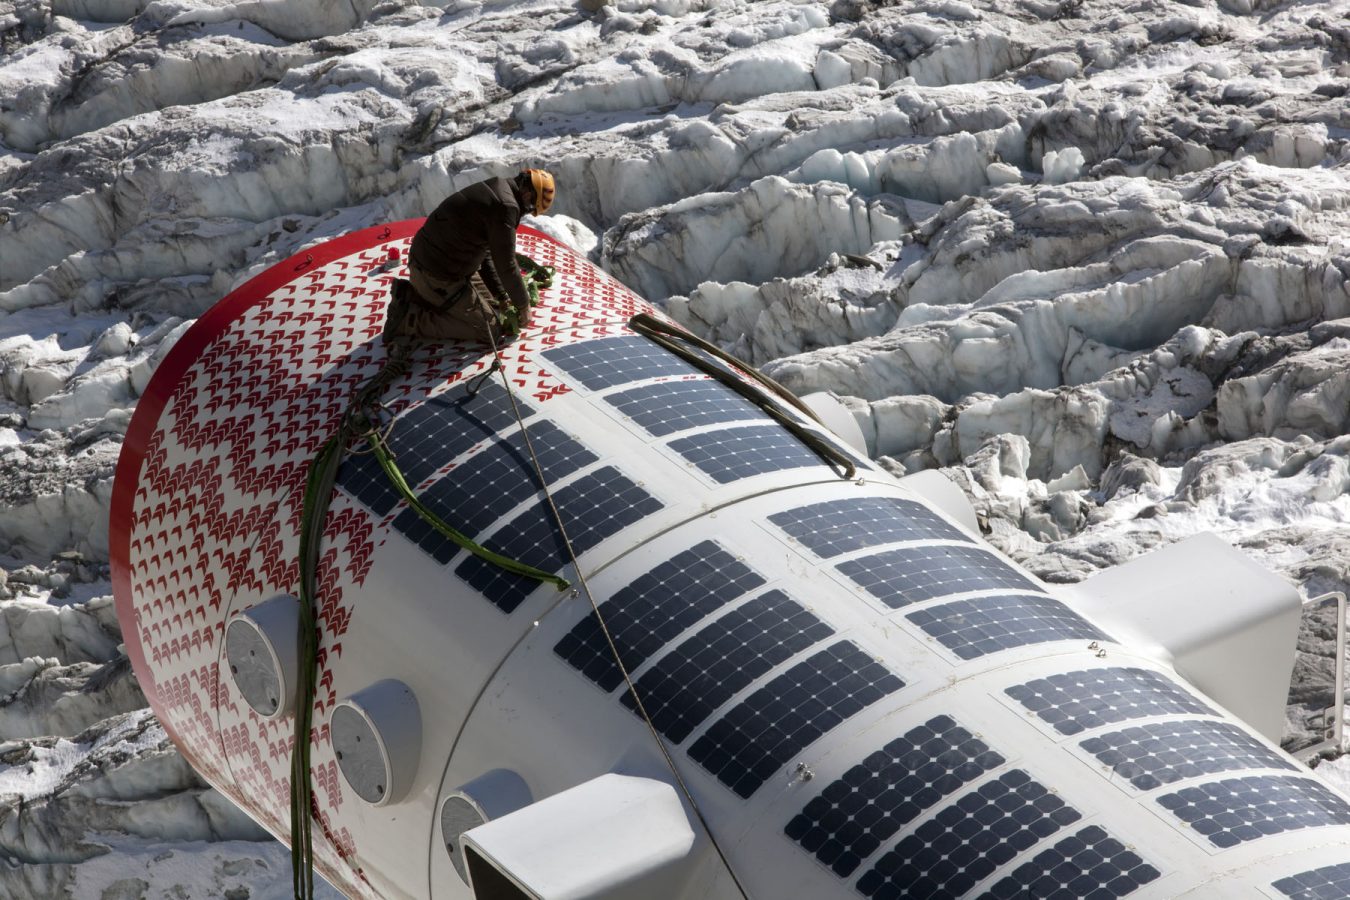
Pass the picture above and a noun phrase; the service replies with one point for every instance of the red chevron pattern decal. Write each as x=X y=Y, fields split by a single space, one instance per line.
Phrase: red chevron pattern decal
x=207 y=502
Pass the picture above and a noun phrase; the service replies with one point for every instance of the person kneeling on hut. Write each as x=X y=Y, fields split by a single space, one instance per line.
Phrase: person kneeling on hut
x=464 y=283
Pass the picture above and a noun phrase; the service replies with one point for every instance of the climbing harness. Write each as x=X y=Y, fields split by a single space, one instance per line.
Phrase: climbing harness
x=685 y=345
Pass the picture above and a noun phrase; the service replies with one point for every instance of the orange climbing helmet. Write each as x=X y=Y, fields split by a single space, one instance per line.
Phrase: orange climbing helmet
x=542 y=182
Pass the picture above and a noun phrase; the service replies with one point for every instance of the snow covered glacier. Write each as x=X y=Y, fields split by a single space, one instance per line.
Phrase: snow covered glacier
x=1088 y=258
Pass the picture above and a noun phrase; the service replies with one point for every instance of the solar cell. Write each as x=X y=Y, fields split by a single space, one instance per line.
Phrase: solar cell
x=593 y=507
x=1077 y=701
x=1326 y=883
x=606 y=362
x=869 y=803
x=840 y=526
x=672 y=406
x=1159 y=753
x=964 y=843
x=982 y=625
x=362 y=477
x=1238 y=810
x=761 y=733
x=730 y=454
x=645 y=615
x=911 y=574
x=704 y=671
x=1089 y=864
x=490 y=484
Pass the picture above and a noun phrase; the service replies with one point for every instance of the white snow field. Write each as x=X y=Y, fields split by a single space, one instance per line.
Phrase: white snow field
x=1088 y=258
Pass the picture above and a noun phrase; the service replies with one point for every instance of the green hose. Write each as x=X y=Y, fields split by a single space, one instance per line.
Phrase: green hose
x=386 y=461
x=319 y=485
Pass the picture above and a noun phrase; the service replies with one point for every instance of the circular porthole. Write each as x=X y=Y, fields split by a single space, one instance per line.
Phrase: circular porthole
x=262 y=656
x=458 y=815
x=377 y=738
x=489 y=796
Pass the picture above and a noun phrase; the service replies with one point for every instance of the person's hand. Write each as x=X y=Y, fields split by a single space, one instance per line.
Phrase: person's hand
x=513 y=318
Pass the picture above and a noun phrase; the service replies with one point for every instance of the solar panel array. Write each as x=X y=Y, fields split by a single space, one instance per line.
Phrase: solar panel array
x=593 y=507
x=429 y=436
x=1326 y=883
x=490 y=484
x=977 y=627
x=607 y=362
x=870 y=802
x=964 y=843
x=668 y=407
x=1077 y=701
x=645 y=615
x=761 y=733
x=840 y=526
x=1089 y=864
x=911 y=574
x=730 y=454
x=1159 y=753
x=1238 y=810
x=726 y=454
x=704 y=671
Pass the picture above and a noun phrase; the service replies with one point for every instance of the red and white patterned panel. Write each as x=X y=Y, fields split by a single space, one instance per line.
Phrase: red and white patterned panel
x=207 y=502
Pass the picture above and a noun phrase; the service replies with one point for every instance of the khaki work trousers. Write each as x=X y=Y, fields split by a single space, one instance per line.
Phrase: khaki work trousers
x=463 y=310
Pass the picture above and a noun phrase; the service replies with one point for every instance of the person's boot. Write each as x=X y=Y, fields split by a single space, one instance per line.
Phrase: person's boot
x=397 y=310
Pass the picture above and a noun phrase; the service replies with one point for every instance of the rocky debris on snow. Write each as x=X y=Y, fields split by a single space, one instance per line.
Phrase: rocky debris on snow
x=119 y=782
x=774 y=227
x=94 y=798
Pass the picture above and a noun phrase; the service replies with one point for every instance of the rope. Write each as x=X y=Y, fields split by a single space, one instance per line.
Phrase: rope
x=360 y=421
x=604 y=628
x=674 y=339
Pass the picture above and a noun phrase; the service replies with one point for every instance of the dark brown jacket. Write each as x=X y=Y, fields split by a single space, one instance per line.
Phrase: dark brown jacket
x=474 y=230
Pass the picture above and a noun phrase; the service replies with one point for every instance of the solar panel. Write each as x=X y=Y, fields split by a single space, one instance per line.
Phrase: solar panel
x=840 y=526
x=490 y=484
x=983 y=625
x=1159 y=753
x=645 y=615
x=1076 y=701
x=1238 y=810
x=1326 y=883
x=870 y=802
x=704 y=671
x=964 y=843
x=730 y=454
x=1089 y=864
x=761 y=733
x=606 y=362
x=429 y=436
x=912 y=574
x=673 y=406
x=594 y=507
